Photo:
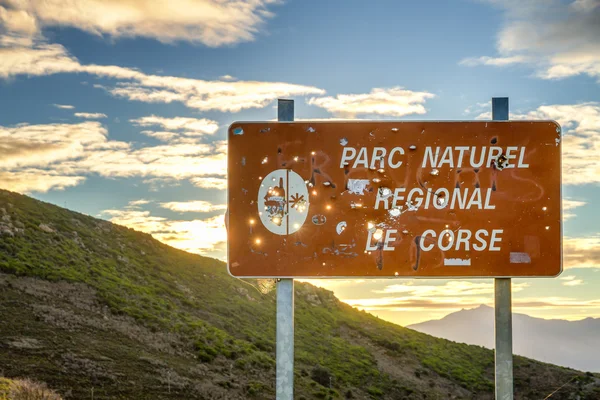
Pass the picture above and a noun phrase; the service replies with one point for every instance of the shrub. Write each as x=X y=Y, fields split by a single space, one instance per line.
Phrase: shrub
x=25 y=389
x=321 y=375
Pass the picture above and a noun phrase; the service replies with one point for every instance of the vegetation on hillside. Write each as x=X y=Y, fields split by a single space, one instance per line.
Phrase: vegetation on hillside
x=25 y=389
x=92 y=307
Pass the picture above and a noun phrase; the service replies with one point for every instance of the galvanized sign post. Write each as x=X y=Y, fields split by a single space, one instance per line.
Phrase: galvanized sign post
x=503 y=357
x=284 y=357
x=381 y=199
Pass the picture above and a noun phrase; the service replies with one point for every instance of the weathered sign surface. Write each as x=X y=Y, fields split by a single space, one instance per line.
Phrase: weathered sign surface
x=381 y=199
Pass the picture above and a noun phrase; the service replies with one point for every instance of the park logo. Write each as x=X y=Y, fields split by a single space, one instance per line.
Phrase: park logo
x=283 y=202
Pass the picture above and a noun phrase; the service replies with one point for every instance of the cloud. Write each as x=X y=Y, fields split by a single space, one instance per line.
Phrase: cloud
x=570 y=204
x=457 y=303
x=90 y=115
x=396 y=102
x=48 y=156
x=40 y=145
x=574 y=282
x=210 y=22
x=484 y=115
x=210 y=183
x=581 y=252
x=190 y=126
x=34 y=59
x=451 y=295
x=558 y=39
x=161 y=135
x=137 y=203
x=64 y=106
x=494 y=61
x=199 y=236
x=18 y=22
x=450 y=288
x=580 y=140
x=478 y=107
x=36 y=180
x=42 y=58
x=193 y=206
x=208 y=95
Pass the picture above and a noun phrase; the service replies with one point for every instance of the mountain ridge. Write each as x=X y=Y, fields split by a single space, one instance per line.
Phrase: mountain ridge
x=574 y=344
x=96 y=309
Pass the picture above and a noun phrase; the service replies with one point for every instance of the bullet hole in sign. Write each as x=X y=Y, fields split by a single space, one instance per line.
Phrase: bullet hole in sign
x=501 y=162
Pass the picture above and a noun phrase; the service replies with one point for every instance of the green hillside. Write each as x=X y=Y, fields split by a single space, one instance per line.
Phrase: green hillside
x=100 y=311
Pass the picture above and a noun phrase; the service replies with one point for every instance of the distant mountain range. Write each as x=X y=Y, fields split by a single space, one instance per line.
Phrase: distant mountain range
x=574 y=344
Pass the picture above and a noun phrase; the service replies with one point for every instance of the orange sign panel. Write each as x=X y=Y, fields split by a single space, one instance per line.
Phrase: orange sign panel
x=385 y=199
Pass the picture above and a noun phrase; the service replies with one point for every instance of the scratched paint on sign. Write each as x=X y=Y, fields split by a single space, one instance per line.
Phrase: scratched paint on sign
x=377 y=199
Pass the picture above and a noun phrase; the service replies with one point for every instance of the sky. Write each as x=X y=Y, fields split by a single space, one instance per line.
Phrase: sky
x=119 y=109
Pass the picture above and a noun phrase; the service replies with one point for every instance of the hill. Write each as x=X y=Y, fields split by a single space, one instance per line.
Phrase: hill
x=100 y=311
x=574 y=344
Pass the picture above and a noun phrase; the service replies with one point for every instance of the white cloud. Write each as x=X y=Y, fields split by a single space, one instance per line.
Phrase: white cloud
x=569 y=205
x=581 y=252
x=484 y=115
x=197 y=236
x=478 y=108
x=208 y=95
x=39 y=58
x=161 y=135
x=448 y=304
x=90 y=115
x=450 y=288
x=36 y=180
x=40 y=145
x=494 y=61
x=211 y=22
x=18 y=22
x=137 y=203
x=46 y=156
x=64 y=106
x=396 y=102
x=193 y=206
x=573 y=282
x=209 y=183
x=580 y=140
x=557 y=38
x=42 y=58
x=191 y=126
x=412 y=296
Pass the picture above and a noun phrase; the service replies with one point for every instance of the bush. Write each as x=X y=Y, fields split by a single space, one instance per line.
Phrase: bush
x=321 y=375
x=25 y=389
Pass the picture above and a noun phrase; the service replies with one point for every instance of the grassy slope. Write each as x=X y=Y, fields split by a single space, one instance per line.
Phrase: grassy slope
x=125 y=316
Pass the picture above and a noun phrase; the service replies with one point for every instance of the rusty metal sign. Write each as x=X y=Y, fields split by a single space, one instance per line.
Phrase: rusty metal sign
x=389 y=199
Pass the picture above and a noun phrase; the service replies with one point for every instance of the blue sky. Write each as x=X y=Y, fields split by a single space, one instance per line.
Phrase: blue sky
x=79 y=85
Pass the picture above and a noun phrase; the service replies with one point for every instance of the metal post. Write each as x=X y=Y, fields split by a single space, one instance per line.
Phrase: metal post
x=285 y=307
x=503 y=303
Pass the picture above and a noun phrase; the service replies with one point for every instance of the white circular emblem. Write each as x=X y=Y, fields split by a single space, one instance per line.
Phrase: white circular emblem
x=283 y=202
